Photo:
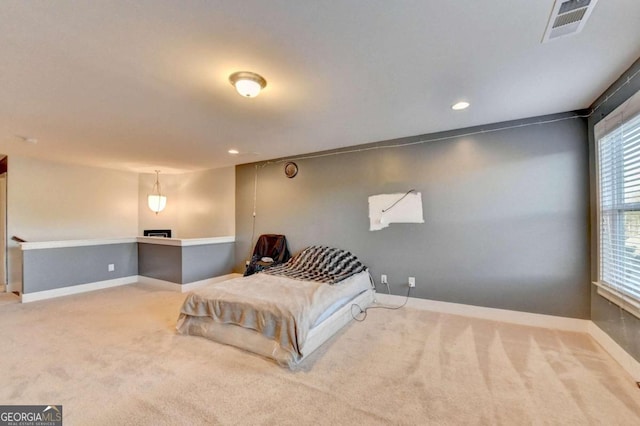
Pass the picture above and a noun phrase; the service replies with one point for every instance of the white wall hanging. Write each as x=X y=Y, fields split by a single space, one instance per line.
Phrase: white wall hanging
x=385 y=209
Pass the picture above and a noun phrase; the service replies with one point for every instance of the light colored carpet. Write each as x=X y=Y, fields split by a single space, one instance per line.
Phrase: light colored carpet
x=9 y=298
x=112 y=357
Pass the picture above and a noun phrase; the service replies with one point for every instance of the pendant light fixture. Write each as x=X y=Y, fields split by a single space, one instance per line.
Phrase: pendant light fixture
x=248 y=84
x=157 y=201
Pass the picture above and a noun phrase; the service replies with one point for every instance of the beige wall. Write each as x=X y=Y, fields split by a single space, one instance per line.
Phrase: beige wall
x=48 y=201
x=199 y=204
x=52 y=201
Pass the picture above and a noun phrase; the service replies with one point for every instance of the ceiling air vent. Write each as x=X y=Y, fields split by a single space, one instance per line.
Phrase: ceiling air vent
x=568 y=17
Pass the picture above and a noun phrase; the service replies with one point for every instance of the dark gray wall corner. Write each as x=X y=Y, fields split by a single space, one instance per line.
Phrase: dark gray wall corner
x=206 y=261
x=160 y=262
x=623 y=327
x=506 y=214
x=183 y=265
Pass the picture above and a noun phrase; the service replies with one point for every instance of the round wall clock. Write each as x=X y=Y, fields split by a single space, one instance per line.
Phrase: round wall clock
x=290 y=169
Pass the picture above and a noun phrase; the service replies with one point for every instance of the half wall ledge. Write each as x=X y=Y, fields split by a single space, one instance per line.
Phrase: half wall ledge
x=58 y=268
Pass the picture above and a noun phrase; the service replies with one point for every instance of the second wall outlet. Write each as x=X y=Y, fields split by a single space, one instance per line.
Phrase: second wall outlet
x=383 y=278
x=412 y=281
x=111 y=267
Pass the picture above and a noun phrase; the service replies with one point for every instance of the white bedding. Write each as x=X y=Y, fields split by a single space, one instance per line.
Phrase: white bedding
x=279 y=309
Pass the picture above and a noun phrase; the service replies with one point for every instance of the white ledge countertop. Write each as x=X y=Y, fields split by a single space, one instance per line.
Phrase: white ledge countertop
x=180 y=242
x=185 y=242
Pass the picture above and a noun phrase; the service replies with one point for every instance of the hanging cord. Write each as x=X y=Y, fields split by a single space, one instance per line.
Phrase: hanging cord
x=455 y=136
x=156 y=187
x=627 y=81
x=365 y=310
x=399 y=199
x=255 y=208
x=255 y=199
x=422 y=141
x=461 y=135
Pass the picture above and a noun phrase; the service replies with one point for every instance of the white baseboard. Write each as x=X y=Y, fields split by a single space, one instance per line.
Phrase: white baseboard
x=183 y=288
x=99 y=285
x=75 y=289
x=503 y=315
x=616 y=351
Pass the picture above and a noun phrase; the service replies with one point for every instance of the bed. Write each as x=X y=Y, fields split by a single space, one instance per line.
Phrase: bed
x=283 y=313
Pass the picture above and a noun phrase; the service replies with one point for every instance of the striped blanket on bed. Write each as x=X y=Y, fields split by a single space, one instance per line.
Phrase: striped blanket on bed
x=320 y=264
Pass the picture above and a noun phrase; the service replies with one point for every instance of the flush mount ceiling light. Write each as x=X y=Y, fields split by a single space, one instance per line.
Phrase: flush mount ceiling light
x=460 y=105
x=247 y=84
x=157 y=202
x=233 y=152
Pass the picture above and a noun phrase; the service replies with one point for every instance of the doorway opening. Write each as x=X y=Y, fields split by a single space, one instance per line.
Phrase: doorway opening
x=3 y=224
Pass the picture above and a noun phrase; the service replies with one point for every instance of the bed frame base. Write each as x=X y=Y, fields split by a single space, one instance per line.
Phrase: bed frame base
x=326 y=329
x=255 y=342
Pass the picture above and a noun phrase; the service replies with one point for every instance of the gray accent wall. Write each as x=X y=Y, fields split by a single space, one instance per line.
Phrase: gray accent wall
x=160 y=262
x=206 y=261
x=506 y=213
x=183 y=265
x=55 y=268
x=48 y=269
x=623 y=327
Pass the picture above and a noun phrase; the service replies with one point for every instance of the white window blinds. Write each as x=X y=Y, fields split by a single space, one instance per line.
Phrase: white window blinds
x=618 y=154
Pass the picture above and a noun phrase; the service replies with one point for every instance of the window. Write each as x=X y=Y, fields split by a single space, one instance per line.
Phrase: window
x=618 y=163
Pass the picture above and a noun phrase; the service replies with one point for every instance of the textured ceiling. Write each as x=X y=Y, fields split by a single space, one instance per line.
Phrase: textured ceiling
x=144 y=85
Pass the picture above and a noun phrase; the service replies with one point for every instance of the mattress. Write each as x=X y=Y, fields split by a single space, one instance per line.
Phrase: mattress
x=271 y=316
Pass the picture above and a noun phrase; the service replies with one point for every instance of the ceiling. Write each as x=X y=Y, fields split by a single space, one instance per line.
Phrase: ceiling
x=144 y=85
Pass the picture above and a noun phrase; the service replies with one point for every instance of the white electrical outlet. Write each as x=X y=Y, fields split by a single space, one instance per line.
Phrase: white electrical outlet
x=383 y=279
x=412 y=281
x=111 y=267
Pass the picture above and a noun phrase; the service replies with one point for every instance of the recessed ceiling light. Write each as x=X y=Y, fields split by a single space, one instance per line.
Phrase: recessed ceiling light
x=248 y=84
x=233 y=151
x=460 y=105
